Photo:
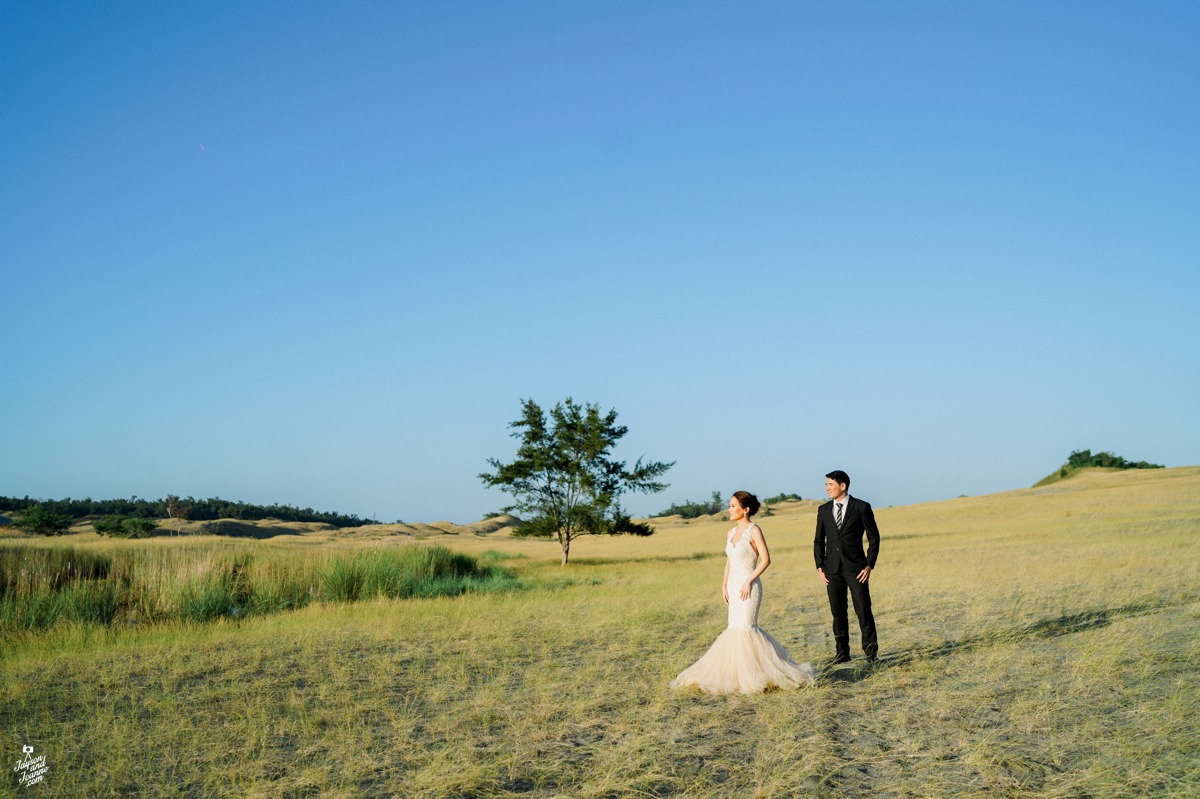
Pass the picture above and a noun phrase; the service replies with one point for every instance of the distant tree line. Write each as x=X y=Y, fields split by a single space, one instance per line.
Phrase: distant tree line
x=1084 y=457
x=196 y=509
x=692 y=510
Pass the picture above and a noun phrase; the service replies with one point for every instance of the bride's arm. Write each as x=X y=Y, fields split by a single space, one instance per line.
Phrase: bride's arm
x=764 y=558
x=725 y=583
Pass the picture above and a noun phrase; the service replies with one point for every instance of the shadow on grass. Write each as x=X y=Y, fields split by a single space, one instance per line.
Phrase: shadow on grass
x=1043 y=629
x=238 y=529
x=849 y=673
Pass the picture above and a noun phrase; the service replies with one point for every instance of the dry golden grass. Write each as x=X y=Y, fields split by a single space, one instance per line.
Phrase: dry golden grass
x=1037 y=643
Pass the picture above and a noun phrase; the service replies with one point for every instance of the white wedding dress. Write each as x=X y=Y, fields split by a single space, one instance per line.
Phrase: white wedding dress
x=743 y=659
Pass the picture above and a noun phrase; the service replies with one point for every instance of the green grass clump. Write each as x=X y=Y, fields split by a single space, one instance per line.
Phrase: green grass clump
x=195 y=581
x=407 y=572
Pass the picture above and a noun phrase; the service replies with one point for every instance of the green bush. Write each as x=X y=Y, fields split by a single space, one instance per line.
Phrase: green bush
x=41 y=520
x=119 y=526
x=140 y=528
x=109 y=525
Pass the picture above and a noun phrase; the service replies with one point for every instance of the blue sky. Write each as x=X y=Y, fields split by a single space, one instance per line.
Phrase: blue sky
x=318 y=253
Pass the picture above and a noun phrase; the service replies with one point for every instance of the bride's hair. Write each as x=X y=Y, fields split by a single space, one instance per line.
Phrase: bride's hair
x=747 y=501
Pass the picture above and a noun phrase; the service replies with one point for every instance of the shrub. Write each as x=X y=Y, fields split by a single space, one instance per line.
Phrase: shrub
x=41 y=520
x=119 y=526
x=109 y=525
x=140 y=528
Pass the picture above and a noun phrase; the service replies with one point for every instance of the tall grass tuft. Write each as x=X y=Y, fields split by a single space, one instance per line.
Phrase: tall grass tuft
x=156 y=582
x=91 y=601
x=54 y=567
x=407 y=572
x=343 y=579
x=40 y=585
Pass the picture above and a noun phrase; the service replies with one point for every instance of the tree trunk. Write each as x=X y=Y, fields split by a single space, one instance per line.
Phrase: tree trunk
x=566 y=550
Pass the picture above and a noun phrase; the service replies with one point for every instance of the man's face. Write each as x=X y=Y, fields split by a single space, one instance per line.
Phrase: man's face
x=834 y=489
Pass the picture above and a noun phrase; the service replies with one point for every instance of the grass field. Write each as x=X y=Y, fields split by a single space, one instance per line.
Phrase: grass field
x=1037 y=643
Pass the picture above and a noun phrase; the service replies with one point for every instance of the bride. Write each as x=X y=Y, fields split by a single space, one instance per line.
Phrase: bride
x=744 y=659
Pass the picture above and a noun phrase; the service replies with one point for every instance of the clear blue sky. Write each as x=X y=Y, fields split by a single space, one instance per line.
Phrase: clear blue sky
x=317 y=253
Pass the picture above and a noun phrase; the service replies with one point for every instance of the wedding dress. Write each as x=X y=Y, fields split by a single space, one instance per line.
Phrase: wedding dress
x=744 y=659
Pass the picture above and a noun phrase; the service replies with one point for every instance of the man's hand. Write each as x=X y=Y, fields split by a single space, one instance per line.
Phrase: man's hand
x=821 y=574
x=864 y=574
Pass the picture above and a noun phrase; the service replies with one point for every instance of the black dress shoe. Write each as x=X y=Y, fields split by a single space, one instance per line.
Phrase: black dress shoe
x=839 y=659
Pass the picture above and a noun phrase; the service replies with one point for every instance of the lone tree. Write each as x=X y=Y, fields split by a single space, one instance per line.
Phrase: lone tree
x=565 y=478
x=177 y=511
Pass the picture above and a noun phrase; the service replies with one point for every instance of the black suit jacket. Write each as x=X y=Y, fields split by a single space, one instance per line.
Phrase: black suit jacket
x=833 y=548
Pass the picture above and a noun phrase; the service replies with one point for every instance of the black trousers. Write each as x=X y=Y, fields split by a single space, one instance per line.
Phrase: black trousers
x=860 y=593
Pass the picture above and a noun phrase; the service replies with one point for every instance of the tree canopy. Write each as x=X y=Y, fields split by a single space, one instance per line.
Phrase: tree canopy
x=565 y=478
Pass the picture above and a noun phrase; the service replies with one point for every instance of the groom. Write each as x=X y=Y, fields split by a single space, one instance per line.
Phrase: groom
x=842 y=564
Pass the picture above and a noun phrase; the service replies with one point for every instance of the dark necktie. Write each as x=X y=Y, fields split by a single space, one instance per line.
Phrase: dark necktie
x=838 y=515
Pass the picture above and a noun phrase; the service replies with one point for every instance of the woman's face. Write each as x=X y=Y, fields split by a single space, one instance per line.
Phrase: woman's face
x=736 y=511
